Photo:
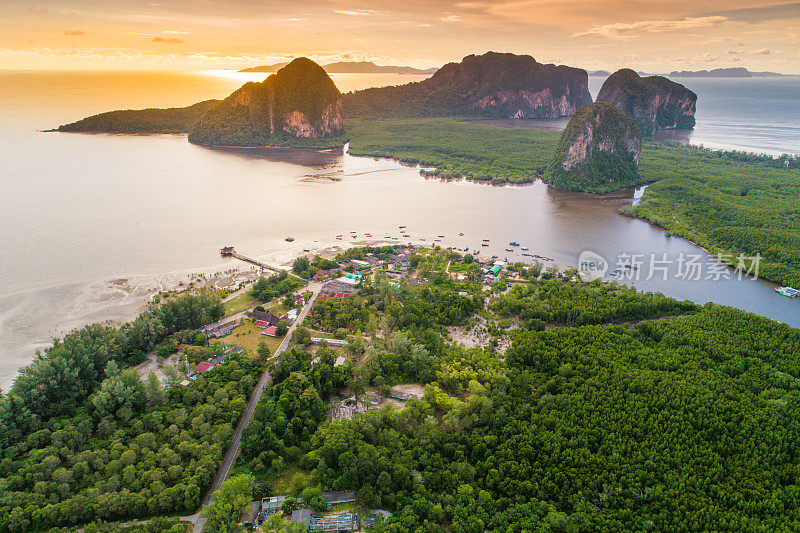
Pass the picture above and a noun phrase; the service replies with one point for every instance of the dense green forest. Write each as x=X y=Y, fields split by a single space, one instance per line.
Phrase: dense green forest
x=728 y=202
x=456 y=149
x=623 y=412
x=172 y=120
x=84 y=438
x=60 y=378
x=586 y=407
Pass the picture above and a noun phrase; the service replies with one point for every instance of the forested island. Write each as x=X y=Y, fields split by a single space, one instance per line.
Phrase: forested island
x=538 y=403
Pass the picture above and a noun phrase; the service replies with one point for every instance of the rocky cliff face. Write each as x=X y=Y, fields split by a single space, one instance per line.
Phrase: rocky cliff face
x=598 y=151
x=491 y=85
x=299 y=101
x=654 y=102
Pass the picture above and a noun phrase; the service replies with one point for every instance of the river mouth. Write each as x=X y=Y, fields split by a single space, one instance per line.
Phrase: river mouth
x=173 y=205
x=86 y=210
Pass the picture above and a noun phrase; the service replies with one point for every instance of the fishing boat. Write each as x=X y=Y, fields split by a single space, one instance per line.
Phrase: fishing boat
x=789 y=292
x=289 y=239
x=513 y=243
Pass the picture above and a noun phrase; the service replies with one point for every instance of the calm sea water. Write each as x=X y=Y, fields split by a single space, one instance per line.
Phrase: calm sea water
x=750 y=114
x=79 y=210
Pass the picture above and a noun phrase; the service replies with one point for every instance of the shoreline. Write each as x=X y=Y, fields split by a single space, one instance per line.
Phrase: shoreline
x=30 y=320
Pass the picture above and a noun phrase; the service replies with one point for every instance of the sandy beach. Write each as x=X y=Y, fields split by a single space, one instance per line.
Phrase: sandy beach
x=29 y=321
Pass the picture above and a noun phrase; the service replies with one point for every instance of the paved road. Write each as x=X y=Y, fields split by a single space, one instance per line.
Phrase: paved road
x=233 y=449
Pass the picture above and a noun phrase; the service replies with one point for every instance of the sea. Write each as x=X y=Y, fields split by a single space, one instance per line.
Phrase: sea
x=92 y=224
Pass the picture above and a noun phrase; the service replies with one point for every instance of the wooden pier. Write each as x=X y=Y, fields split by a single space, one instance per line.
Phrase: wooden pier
x=259 y=264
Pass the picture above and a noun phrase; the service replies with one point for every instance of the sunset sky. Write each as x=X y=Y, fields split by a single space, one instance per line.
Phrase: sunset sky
x=650 y=35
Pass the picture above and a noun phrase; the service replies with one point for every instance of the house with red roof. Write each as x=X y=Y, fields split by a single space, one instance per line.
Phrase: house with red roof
x=272 y=331
x=203 y=367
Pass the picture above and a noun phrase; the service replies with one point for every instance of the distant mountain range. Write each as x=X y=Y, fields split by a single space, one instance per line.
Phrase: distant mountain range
x=734 y=72
x=352 y=67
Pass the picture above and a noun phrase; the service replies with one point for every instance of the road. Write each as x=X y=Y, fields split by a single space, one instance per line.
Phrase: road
x=230 y=455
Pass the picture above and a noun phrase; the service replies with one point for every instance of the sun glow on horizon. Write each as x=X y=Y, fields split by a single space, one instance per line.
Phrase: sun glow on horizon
x=654 y=36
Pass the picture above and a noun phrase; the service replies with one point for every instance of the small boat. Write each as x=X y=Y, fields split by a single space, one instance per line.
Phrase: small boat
x=494 y=257
x=524 y=249
x=306 y=250
x=476 y=252
x=437 y=240
x=485 y=240
x=353 y=232
x=289 y=239
x=513 y=243
x=338 y=235
x=789 y=292
x=484 y=244
x=509 y=250
x=466 y=249
x=460 y=234
x=401 y=227
x=441 y=236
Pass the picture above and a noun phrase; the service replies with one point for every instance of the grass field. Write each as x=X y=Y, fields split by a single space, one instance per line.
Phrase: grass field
x=248 y=336
x=242 y=302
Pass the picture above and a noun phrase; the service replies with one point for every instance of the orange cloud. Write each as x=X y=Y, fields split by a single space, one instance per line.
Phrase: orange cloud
x=167 y=40
x=628 y=30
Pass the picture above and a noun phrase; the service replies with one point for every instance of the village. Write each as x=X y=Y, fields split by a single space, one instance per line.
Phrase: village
x=264 y=327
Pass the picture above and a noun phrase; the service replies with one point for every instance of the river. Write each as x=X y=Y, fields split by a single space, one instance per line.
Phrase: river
x=83 y=215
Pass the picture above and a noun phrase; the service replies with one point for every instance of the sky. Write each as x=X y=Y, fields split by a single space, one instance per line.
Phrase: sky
x=649 y=35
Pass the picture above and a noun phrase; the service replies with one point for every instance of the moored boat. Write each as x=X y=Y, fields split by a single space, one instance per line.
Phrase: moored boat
x=789 y=292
